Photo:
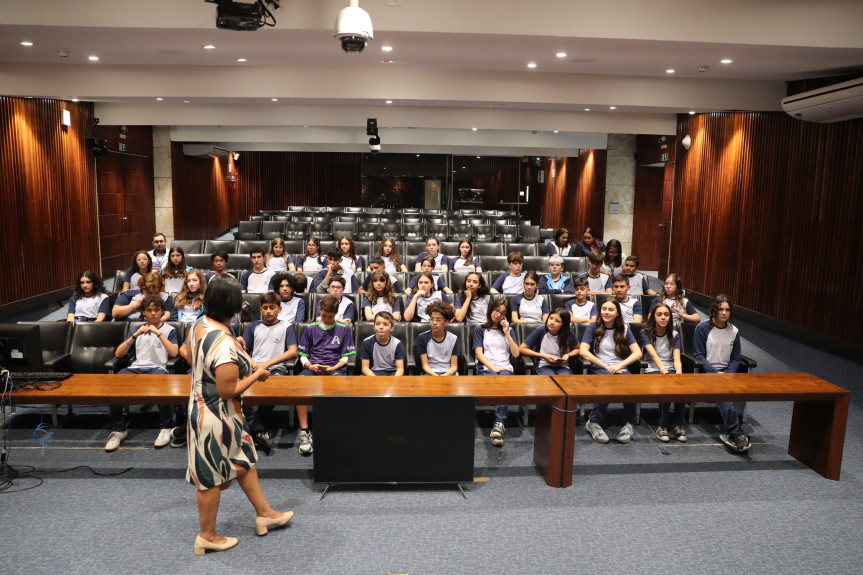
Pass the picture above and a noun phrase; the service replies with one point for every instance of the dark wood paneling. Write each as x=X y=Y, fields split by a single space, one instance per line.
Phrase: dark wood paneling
x=205 y=204
x=647 y=216
x=47 y=196
x=667 y=203
x=498 y=176
x=575 y=197
x=767 y=210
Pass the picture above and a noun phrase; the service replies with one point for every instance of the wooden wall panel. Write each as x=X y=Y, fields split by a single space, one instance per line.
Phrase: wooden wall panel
x=767 y=209
x=497 y=175
x=575 y=197
x=205 y=203
x=47 y=196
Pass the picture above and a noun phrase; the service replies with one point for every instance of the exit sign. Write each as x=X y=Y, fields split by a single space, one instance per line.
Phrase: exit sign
x=123 y=147
x=662 y=158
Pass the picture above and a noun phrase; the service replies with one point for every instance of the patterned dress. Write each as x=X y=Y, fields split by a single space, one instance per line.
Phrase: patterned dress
x=219 y=447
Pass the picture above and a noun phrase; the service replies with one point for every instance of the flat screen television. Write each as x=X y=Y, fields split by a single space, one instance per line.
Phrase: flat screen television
x=396 y=439
x=20 y=347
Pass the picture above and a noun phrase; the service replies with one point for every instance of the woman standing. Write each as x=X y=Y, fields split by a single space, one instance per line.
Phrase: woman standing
x=220 y=450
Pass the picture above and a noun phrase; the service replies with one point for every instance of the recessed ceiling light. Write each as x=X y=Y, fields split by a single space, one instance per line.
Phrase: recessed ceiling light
x=241 y=60
x=94 y=58
x=25 y=43
x=491 y=106
x=387 y=48
x=74 y=99
x=209 y=47
x=159 y=99
x=726 y=61
x=473 y=129
x=387 y=61
x=186 y=102
x=464 y=167
x=477 y=157
x=531 y=64
x=274 y=99
x=691 y=112
x=305 y=126
x=587 y=109
x=612 y=107
x=556 y=131
x=561 y=54
x=670 y=71
x=389 y=102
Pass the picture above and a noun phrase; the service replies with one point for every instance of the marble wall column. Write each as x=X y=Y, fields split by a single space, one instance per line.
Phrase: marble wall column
x=620 y=189
x=162 y=181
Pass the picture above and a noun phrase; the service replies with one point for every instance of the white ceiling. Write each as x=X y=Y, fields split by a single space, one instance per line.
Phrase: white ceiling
x=456 y=65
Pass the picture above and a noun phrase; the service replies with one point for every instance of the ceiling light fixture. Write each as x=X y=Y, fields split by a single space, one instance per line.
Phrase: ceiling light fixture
x=25 y=43
x=93 y=58
x=726 y=61
x=387 y=48
x=274 y=99
x=74 y=99
x=159 y=99
x=531 y=64
x=587 y=109
x=186 y=102
x=670 y=71
x=556 y=131
x=241 y=60
x=691 y=112
x=388 y=102
x=473 y=129
x=612 y=107
x=209 y=47
x=561 y=54
x=387 y=61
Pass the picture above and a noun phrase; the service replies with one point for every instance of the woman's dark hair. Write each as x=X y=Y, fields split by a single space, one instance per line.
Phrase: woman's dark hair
x=588 y=230
x=134 y=266
x=98 y=286
x=650 y=327
x=173 y=270
x=619 y=328
x=220 y=254
x=618 y=261
x=532 y=275
x=501 y=301
x=565 y=339
x=395 y=256
x=223 y=298
x=389 y=294
x=558 y=233
x=352 y=252
x=482 y=291
x=468 y=261
x=718 y=301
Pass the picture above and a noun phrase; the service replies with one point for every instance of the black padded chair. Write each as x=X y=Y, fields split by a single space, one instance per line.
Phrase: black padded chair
x=56 y=339
x=367 y=231
x=484 y=233
x=189 y=246
x=245 y=246
x=296 y=230
x=391 y=230
x=539 y=264
x=437 y=229
x=577 y=265
x=295 y=246
x=545 y=235
x=212 y=246
x=344 y=229
x=254 y=301
x=413 y=231
x=507 y=233
x=417 y=328
x=529 y=233
x=248 y=230
x=494 y=264
x=459 y=230
x=93 y=345
x=321 y=230
x=200 y=261
x=526 y=249
x=487 y=249
x=366 y=329
x=271 y=230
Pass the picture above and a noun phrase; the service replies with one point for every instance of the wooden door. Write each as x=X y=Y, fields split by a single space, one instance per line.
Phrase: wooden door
x=647 y=222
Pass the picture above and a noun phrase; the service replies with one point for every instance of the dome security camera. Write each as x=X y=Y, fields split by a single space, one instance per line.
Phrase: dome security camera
x=353 y=28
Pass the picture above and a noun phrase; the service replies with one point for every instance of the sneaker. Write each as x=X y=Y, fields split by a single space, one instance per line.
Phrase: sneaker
x=679 y=433
x=662 y=434
x=114 y=440
x=178 y=436
x=305 y=438
x=264 y=442
x=625 y=433
x=742 y=443
x=729 y=443
x=497 y=432
x=596 y=432
x=163 y=439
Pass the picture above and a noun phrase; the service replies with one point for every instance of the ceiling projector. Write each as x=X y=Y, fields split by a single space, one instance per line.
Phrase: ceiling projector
x=242 y=16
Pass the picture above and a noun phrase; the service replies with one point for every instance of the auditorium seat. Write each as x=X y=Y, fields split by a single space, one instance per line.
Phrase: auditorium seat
x=56 y=339
x=213 y=246
x=93 y=344
x=189 y=246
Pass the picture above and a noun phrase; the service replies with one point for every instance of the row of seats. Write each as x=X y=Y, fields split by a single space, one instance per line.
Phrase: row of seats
x=365 y=249
x=371 y=231
x=360 y=211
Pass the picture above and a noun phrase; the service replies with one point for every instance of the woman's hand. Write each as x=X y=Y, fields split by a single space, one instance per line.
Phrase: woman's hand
x=504 y=325
x=261 y=373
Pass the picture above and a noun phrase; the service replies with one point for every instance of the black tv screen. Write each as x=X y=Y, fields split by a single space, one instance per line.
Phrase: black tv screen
x=20 y=347
x=394 y=439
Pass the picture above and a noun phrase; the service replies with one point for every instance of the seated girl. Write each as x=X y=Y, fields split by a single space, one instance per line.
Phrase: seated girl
x=529 y=306
x=89 y=302
x=381 y=297
x=189 y=305
x=552 y=344
x=419 y=301
x=473 y=300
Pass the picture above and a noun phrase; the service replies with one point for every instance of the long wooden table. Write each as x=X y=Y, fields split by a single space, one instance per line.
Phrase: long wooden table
x=548 y=452
x=818 y=421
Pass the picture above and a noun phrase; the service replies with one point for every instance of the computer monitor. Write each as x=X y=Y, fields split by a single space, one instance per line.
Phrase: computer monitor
x=20 y=347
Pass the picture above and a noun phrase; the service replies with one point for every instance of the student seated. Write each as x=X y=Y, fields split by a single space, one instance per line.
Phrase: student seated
x=150 y=345
x=270 y=342
x=381 y=297
x=142 y=264
x=581 y=309
x=717 y=344
x=609 y=346
x=629 y=306
x=349 y=260
x=382 y=353
x=638 y=284
x=388 y=251
x=89 y=302
x=672 y=296
x=324 y=349
x=277 y=259
x=441 y=263
x=612 y=261
x=174 y=273
x=257 y=279
x=334 y=269
x=418 y=303
x=291 y=309
x=560 y=245
x=494 y=345
x=466 y=261
x=529 y=307
x=189 y=305
x=552 y=344
x=220 y=264
x=301 y=283
x=513 y=282
x=597 y=281
x=438 y=349
x=374 y=265
x=427 y=265
x=313 y=260
x=346 y=312
x=128 y=304
x=554 y=281
x=472 y=301
x=588 y=243
x=662 y=350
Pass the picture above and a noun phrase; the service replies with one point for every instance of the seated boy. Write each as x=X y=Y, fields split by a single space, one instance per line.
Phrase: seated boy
x=128 y=304
x=382 y=353
x=258 y=279
x=438 y=348
x=554 y=281
x=427 y=265
x=377 y=264
x=324 y=349
x=150 y=345
x=220 y=265
x=301 y=283
x=630 y=307
x=598 y=281
x=271 y=342
x=334 y=269
x=638 y=284
x=581 y=309
x=292 y=309
x=346 y=312
x=513 y=282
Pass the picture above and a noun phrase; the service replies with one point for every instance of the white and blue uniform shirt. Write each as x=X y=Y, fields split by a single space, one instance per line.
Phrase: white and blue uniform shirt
x=351 y=265
x=586 y=310
x=494 y=345
x=440 y=353
x=293 y=310
x=346 y=310
x=459 y=264
x=509 y=284
x=257 y=282
x=311 y=264
x=478 y=308
x=382 y=357
x=438 y=261
x=530 y=309
x=132 y=295
x=423 y=303
x=630 y=308
x=638 y=284
x=605 y=349
x=149 y=351
x=89 y=308
x=663 y=349
x=382 y=305
x=597 y=284
x=279 y=263
x=265 y=342
x=541 y=341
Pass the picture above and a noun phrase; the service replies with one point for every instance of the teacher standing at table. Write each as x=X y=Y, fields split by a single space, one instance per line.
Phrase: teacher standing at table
x=219 y=447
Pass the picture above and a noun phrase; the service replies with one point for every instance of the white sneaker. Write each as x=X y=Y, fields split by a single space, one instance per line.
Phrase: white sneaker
x=497 y=432
x=625 y=433
x=114 y=440
x=596 y=432
x=305 y=438
x=163 y=439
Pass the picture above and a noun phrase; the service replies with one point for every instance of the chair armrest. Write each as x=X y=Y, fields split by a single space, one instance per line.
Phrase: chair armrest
x=690 y=364
x=748 y=362
x=115 y=364
x=178 y=365
x=60 y=362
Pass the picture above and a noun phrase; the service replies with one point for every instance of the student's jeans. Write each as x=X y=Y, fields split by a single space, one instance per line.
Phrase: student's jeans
x=600 y=410
x=166 y=412
x=665 y=408
x=310 y=372
x=255 y=415
x=500 y=411
x=732 y=416
x=553 y=370
x=383 y=372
